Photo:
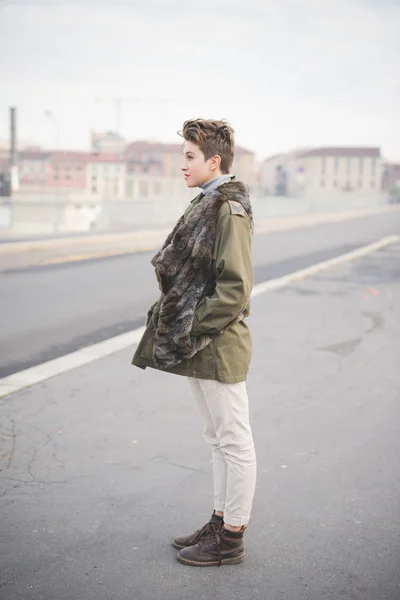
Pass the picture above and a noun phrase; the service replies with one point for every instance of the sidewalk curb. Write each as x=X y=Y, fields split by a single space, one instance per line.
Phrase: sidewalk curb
x=261 y=226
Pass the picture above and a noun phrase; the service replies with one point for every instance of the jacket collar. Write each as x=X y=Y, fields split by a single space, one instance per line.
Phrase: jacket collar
x=208 y=189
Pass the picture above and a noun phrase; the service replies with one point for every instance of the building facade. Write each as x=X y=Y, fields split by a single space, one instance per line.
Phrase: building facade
x=107 y=142
x=244 y=166
x=147 y=158
x=325 y=172
x=34 y=168
x=282 y=175
x=391 y=179
x=342 y=170
x=140 y=169
x=106 y=176
x=67 y=170
x=52 y=171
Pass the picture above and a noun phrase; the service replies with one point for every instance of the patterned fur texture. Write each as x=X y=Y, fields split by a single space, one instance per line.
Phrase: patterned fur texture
x=183 y=268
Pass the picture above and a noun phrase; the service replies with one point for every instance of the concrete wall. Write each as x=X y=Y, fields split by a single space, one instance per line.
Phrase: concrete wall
x=40 y=215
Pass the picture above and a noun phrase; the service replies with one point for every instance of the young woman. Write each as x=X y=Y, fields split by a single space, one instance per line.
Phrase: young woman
x=198 y=329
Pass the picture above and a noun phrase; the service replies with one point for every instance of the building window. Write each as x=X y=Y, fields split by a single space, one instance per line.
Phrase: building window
x=361 y=166
x=143 y=189
x=372 y=184
x=129 y=188
x=348 y=167
x=78 y=168
x=373 y=167
x=94 y=189
x=335 y=183
x=323 y=165
x=157 y=187
x=360 y=184
x=322 y=182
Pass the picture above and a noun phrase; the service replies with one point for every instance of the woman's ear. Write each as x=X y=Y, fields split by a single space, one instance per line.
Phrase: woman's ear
x=215 y=162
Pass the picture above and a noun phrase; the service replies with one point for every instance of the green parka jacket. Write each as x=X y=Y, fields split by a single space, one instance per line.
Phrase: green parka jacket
x=227 y=357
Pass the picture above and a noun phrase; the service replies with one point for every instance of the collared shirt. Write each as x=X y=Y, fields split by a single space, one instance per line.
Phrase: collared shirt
x=212 y=185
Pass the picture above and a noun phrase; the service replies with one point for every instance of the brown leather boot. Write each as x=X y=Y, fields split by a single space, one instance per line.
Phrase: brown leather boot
x=190 y=539
x=218 y=548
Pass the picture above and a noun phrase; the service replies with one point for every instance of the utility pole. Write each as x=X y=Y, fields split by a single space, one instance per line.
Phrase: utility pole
x=14 y=182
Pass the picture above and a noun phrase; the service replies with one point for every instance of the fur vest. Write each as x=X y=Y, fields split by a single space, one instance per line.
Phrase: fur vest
x=183 y=268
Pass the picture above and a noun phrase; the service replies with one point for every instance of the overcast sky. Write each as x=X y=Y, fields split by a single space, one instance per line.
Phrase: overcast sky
x=285 y=73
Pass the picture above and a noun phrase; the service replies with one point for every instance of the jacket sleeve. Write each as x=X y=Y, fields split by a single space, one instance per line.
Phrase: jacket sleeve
x=234 y=275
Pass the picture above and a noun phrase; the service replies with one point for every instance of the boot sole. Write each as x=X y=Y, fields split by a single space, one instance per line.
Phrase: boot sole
x=235 y=560
x=177 y=546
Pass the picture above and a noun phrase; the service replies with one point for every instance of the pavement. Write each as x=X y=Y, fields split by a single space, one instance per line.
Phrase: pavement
x=103 y=464
x=49 y=311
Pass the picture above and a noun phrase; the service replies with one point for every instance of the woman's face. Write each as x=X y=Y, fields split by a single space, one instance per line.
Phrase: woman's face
x=196 y=169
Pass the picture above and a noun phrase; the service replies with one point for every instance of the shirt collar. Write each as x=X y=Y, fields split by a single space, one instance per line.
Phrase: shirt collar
x=212 y=185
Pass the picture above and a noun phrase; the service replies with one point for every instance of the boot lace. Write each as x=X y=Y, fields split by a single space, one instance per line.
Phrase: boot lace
x=207 y=530
x=212 y=539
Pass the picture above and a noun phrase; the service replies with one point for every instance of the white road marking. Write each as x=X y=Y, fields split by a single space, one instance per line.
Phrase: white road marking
x=28 y=377
x=22 y=379
x=274 y=284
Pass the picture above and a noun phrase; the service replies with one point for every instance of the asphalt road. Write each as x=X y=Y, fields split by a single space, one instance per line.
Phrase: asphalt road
x=49 y=311
x=102 y=465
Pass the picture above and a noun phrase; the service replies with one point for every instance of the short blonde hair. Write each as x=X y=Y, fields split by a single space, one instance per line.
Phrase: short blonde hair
x=212 y=137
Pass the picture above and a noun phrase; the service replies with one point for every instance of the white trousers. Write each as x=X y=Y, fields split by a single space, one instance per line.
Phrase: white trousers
x=224 y=409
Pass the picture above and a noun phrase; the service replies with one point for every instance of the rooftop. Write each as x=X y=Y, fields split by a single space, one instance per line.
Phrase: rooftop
x=357 y=151
x=104 y=158
x=68 y=155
